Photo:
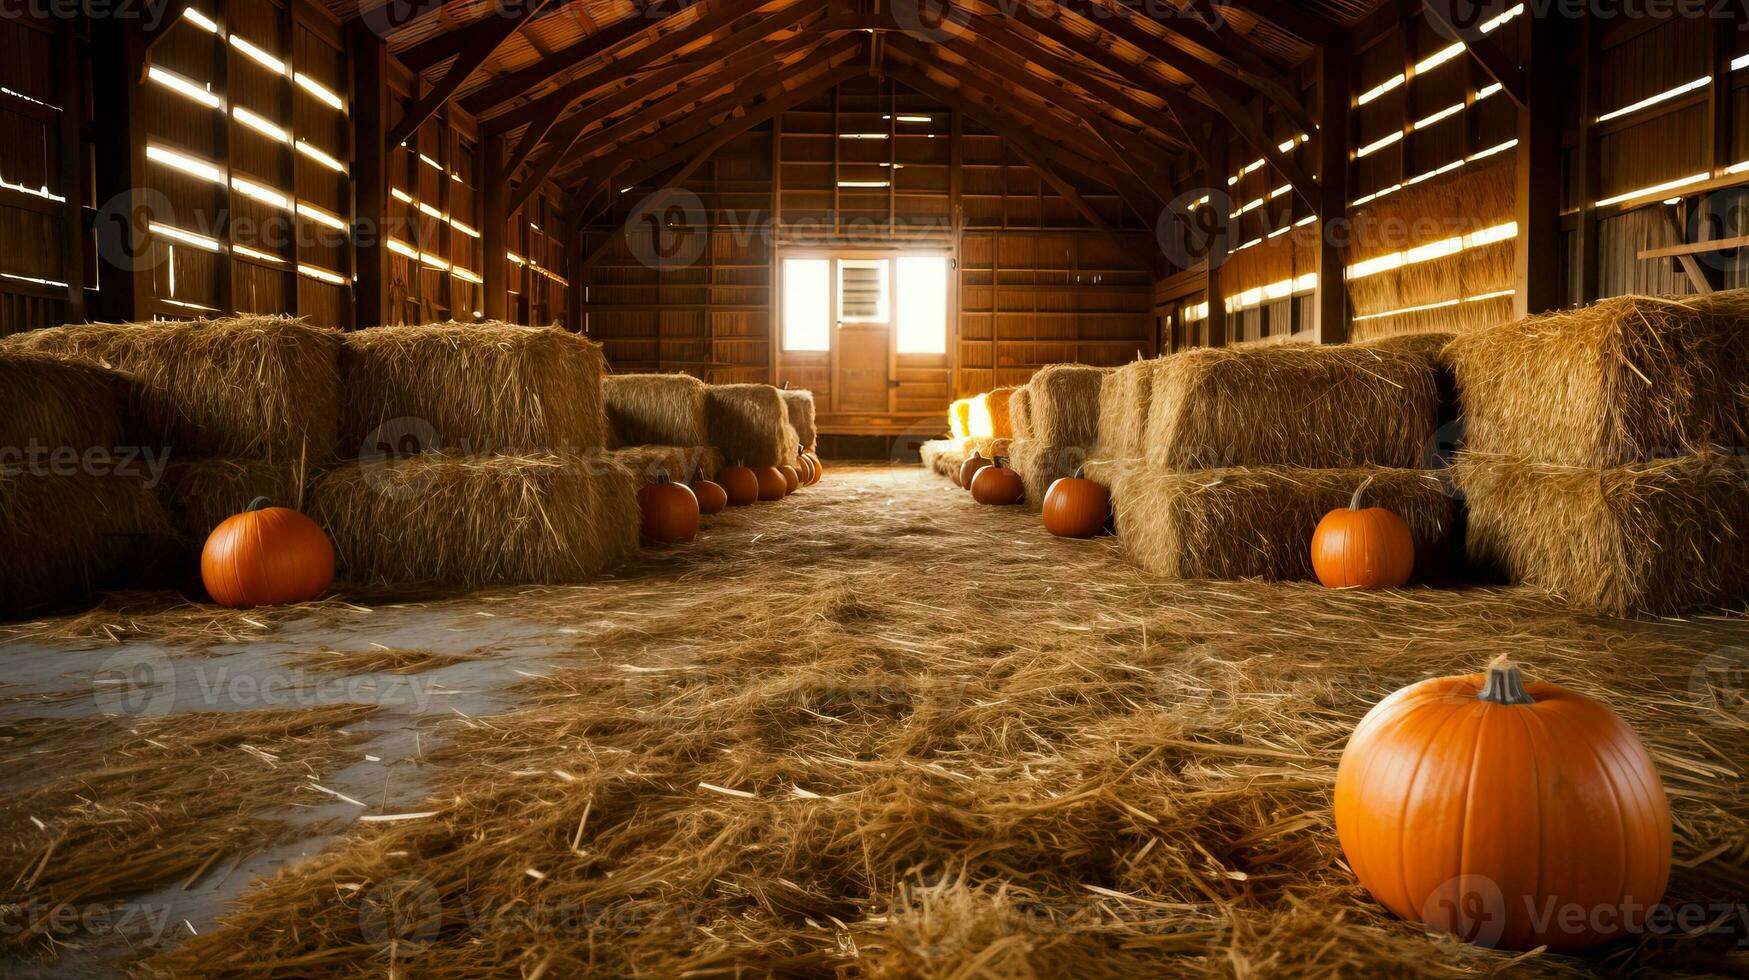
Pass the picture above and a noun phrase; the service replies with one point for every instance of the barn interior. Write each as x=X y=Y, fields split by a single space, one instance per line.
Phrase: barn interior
x=874 y=488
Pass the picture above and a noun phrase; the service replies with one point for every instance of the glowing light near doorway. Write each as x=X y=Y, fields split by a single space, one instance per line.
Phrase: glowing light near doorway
x=923 y=304
x=807 y=304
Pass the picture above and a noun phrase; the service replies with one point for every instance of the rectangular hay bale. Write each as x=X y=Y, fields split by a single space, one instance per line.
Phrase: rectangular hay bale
x=472 y=388
x=1258 y=522
x=64 y=536
x=959 y=418
x=1317 y=407
x=1626 y=380
x=800 y=403
x=52 y=403
x=255 y=387
x=939 y=454
x=1063 y=407
x=1656 y=538
x=1041 y=464
x=750 y=424
x=1020 y=413
x=655 y=410
x=478 y=520
x=1124 y=397
x=199 y=494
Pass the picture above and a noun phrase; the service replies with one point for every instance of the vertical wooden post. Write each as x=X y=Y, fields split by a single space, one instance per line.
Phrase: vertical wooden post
x=1539 y=276
x=370 y=177
x=495 y=299
x=956 y=189
x=1331 y=298
x=1586 y=162
x=1215 y=179
x=118 y=129
x=72 y=171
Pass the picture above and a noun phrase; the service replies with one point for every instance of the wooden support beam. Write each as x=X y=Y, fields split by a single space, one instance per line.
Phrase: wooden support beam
x=1587 y=164
x=1302 y=24
x=124 y=246
x=1693 y=248
x=494 y=191
x=370 y=178
x=602 y=45
x=1330 y=301
x=1214 y=288
x=153 y=32
x=1706 y=277
x=483 y=39
x=1538 y=275
x=1493 y=58
x=71 y=153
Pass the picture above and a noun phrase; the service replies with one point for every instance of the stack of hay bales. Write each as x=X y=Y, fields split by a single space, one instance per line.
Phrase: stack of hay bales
x=241 y=407
x=800 y=403
x=1604 y=452
x=658 y=423
x=76 y=515
x=1061 y=412
x=750 y=425
x=1243 y=451
x=982 y=424
x=480 y=459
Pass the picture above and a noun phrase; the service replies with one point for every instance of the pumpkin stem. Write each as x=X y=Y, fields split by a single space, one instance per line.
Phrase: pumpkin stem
x=1505 y=684
x=1080 y=472
x=999 y=461
x=1354 y=502
x=661 y=477
x=259 y=503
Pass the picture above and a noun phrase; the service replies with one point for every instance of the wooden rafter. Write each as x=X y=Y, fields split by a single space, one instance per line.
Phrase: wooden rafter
x=483 y=40
x=1284 y=15
x=604 y=46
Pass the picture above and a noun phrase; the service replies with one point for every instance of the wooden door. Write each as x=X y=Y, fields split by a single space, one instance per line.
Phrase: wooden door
x=864 y=369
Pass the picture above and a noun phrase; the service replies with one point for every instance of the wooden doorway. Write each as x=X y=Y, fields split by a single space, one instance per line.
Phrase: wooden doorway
x=868 y=332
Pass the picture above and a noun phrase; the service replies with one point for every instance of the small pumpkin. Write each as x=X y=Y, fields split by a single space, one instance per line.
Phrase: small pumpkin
x=772 y=485
x=1363 y=548
x=1494 y=809
x=997 y=484
x=805 y=468
x=791 y=479
x=1076 y=507
x=740 y=483
x=711 y=496
x=819 y=467
x=266 y=556
x=969 y=469
x=668 y=511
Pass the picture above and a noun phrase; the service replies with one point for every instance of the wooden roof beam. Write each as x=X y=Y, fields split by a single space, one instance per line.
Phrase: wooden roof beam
x=1493 y=58
x=1306 y=26
x=607 y=42
x=483 y=40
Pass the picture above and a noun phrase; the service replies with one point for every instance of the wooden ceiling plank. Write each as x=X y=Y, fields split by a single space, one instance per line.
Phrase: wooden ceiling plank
x=483 y=41
x=607 y=41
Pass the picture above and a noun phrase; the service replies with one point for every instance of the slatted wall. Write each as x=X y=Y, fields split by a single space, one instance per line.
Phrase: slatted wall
x=40 y=164
x=436 y=247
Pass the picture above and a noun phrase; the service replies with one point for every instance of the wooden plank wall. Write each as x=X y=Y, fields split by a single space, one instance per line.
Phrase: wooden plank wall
x=42 y=250
x=1037 y=285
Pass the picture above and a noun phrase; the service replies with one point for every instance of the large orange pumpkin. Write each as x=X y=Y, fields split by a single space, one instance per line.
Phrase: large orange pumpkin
x=969 y=469
x=1513 y=815
x=668 y=511
x=997 y=484
x=740 y=483
x=711 y=496
x=1076 y=507
x=772 y=485
x=266 y=556
x=791 y=479
x=1363 y=548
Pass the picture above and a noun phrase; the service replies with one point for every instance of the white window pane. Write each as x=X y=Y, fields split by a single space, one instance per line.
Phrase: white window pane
x=923 y=305
x=807 y=304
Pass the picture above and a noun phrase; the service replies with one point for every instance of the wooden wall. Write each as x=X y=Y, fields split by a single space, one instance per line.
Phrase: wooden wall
x=1037 y=284
x=43 y=251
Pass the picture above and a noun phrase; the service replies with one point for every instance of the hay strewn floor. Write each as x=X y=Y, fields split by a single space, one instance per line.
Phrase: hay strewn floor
x=876 y=730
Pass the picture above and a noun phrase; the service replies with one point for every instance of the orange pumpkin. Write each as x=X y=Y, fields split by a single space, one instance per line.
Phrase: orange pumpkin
x=819 y=467
x=740 y=483
x=791 y=478
x=669 y=511
x=997 y=484
x=1357 y=548
x=1076 y=507
x=266 y=556
x=711 y=496
x=772 y=485
x=1513 y=815
x=969 y=469
x=805 y=468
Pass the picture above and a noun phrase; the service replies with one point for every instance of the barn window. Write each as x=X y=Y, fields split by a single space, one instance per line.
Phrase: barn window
x=807 y=306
